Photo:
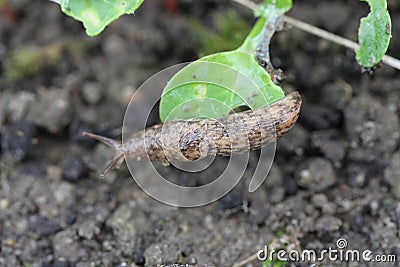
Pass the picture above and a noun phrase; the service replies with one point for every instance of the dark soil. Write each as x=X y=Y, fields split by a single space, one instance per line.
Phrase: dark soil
x=336 y=173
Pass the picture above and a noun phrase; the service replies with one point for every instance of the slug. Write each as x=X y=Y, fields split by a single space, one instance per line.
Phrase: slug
x=186 y=139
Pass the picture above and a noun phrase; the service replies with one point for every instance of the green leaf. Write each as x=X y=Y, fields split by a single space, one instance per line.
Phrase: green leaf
x=214 y=85
x=273 y=7
x=97 y=14
x=374 y=34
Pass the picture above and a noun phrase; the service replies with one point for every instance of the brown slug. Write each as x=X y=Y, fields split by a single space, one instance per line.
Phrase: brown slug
x=185 y=139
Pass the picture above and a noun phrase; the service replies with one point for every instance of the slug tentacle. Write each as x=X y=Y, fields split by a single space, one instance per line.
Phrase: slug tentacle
x=183 y=140
x=118 y=148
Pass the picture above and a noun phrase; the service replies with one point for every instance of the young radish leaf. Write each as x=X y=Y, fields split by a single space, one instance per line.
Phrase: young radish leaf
x=374 y=34
x=229 y=79
x=97 y=14
x=214 y=85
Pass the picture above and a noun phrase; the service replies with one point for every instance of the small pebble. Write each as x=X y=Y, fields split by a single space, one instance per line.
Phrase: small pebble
x=92 y=92
x=162 y=254
x=60 y=263
x=138 y=257
x=371 y=125
x=336 y=94
x=88 y=229
x=295 y=141
x=320 y=117
x=52 y=110
x=357 y=174
x=19 y=105
x=290 y=186
x=318 y=175
x=73 y=168
x=43 y=226
x=64 y=194
x=16 y=140
x=392 y=174
x=67 y=246
x=330 y=144
x=231 y=200
x=327 y=226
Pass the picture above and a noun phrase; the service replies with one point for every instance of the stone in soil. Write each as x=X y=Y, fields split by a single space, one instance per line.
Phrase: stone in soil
x=330 y=144
x=43 y=227
x=290 y=186
x=258 y=207
x=357 y=174
x=336 y=95
x=52 y=110
x=19 y=105
x=73 y=168
x=295 y=141
x=392 y=174
x=327 y=226
x=63 y=194
x=318 y=175
x=60 y=263
x=126 y=224
x=88 y=229
x=5 y=98
x=321 y=201
x=317 y=117
x=66 y=245
x=92 y=92
x=233 y=199
x=16 y=140
x=371 y=125
x=162 y=254
x=138 y=257
x=273 y=185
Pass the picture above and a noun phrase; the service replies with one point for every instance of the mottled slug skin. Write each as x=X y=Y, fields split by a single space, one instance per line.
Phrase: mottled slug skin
x=193 y=139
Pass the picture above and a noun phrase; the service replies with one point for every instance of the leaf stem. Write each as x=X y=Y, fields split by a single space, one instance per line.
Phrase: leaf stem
x=247 y=3
x=388 y=60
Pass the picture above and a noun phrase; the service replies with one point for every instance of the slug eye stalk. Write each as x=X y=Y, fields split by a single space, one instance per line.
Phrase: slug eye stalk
x=118 y=148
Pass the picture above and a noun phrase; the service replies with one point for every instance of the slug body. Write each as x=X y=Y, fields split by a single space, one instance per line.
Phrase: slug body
x=187 y=140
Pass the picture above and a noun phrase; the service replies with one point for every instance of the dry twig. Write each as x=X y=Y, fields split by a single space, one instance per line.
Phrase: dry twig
x=388 y=60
